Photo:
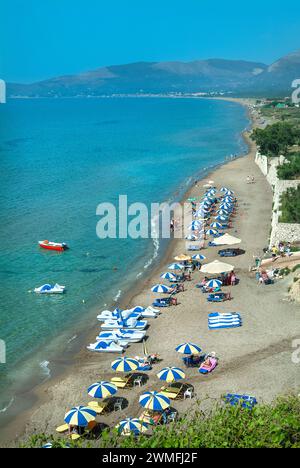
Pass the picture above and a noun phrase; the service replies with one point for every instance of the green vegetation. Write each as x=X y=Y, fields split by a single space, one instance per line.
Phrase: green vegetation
x=291 y=168
x=274 y=426
x=289 y=114
x=290 y=206
x=276 y=139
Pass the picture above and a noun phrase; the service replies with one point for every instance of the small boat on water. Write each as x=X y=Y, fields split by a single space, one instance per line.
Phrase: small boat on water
x=50 y=289
x=60 y=247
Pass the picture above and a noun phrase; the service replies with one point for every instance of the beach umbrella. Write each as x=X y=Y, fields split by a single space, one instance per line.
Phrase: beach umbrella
x=216 y=267
x=216 y=225
x=229 y=192
x=214 y=283
x=154 y=401
x=182 y=258
x=160 y=288
x=125 y=364
x=168 y=276
x=211 y=232
x=226 y=206
x=223 y=212
x=221 y=218
x=80 y=416
x=48 y=445
x=198 y=257
x=171 y=374
x=188 y=348
x=195 y=226
x=227 y=239
x=224 y=189
x=102 y=389
x=191 y=237
x=176 y=266
x=134 y=425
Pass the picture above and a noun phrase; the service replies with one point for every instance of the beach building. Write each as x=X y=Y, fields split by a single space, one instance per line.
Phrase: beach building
x=2 y=92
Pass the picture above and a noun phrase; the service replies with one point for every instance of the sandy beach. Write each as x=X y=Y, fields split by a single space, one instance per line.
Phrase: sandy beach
x=254 y=359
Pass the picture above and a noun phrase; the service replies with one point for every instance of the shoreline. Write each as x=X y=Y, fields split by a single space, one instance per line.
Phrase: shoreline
x=62 y=371
x=89 y=363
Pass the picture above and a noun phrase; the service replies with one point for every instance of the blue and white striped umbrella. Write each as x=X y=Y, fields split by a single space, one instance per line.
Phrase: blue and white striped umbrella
x=168 y=276
x=154 y=401
x=160 y=288
x=134 y=425
x=48 y=445
x=191 y=237
x=214 y=283
x=228 y=200
x=195 y=227
x=221 y=218
x=211 y=232
x=216 y=225
x=125 y=364
x=188 y=348
x=224 y=189
x=229 y=192
x=198 y=257
x=226 y=206
x=223 y=212
x=102 y=389
x=171 y=374
x=80 y=416
x=176 y=266
x=202 y=213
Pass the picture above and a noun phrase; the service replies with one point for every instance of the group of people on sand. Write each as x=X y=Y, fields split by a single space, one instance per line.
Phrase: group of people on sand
x=250 y=179
x=281 y=250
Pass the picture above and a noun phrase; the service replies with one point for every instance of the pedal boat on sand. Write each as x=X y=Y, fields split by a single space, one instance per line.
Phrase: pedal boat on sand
x=60 y=247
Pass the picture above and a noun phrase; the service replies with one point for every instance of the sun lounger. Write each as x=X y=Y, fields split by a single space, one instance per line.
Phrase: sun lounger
x=206 y=368
x=151 y=417
x=121 y=382
x=173 y=392
x=99 y=407
x=63 y=428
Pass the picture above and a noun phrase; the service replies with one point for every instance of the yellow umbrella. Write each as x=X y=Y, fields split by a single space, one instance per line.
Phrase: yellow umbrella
x=183 y=258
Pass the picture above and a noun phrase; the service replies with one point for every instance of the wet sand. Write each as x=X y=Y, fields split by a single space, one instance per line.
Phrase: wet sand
x=254 y=359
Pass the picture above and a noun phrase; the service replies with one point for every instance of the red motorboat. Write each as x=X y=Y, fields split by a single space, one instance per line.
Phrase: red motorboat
x=60 y=247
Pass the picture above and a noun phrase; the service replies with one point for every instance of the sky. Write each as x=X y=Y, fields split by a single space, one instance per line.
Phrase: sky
x=40 y=39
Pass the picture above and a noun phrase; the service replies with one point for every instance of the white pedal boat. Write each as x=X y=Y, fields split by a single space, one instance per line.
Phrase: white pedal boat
x=50 y=289
x=118 y=315
x=105 y=347
x=130 y=323
x=131 y=336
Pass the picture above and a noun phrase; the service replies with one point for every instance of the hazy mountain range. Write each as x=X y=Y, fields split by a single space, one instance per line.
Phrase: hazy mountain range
x=213 y=75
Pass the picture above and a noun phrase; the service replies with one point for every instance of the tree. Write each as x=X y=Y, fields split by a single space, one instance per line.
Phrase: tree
x=275 y=139
x=290 y=169
x=290 y=206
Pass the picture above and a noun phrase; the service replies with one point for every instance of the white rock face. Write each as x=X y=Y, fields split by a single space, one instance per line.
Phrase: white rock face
x=2 y=92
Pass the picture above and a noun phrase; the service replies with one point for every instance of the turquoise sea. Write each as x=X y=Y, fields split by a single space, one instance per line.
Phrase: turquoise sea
x=60 y=158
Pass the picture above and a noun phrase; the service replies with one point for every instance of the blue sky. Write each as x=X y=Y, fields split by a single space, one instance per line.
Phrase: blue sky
x=45 y=38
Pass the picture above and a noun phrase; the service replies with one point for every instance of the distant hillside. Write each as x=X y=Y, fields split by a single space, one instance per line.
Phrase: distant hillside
x=213 y=75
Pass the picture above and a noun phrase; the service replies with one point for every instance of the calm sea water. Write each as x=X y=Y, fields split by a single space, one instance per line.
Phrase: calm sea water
x=59 y=160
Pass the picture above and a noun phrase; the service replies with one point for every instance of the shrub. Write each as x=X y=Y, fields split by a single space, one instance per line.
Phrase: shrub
x=274 y=425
